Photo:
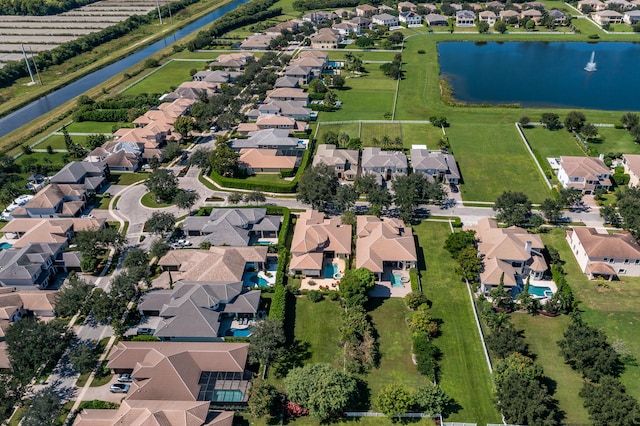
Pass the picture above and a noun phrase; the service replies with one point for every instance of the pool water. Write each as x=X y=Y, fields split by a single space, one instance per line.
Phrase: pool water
x=5 y=246
x=227 y=396
x=330 y=269
x=251 y=279
x=396 y=280
x=241 y=333
x=540 y=291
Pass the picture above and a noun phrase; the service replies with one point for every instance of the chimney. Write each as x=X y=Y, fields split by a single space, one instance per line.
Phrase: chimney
x=527 y=247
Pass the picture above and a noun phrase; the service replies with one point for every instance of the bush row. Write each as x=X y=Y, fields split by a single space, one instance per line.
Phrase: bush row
x=302 y=5
x=279 y=300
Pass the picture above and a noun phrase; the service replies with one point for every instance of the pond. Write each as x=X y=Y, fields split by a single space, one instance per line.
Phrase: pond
x=537 y=74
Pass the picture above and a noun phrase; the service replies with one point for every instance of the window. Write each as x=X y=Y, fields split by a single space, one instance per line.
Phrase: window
x=622 y=271
x=626 y=261
x=612 y=260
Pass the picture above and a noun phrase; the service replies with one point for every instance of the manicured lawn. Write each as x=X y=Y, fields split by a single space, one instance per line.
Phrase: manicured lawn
x=267 y=178
x=546 y=143
x=612 y=307
x=93 y=126
x=317 y=324
x=352 y=129
x=371 y=131
x=163 y=79
x=421 y=134
x=412 y=134
x=541 y=335
x=127 y=178
x=149 y=200
x=53 y=162
x=464 y=371
x=338 y=55
x=57 y=142
x=493 y=159
x=614 y=140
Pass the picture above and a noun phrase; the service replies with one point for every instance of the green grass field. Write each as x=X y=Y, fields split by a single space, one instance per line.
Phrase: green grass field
x=266 y=178
x=165 y=78
x=57 y=142
x=613 y=307
x=352 y=129
x=493 y=159
x=465 y=374
x=549 y=143
x=411 y=134
x=614 y=140
x=317 y=324
x=93 y=126
x=371 y=131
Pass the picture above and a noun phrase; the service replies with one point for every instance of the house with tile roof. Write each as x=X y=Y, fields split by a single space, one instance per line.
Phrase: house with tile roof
x=509 y=255
x=509 y=16
x=559 y=18
x=23 y=231
x=317 y=242
x=326 y=38
x=34 y=265
x=55 y=200
x=184 y=371
x=236 y=61
x=465 y=18
x=233 y=227
x=631 y=163
x=591 y=5
x=156 y=413
x=277 y=139
x=488 y=16
x=199 y=311
x=606 y=255
x=254 y=161
x=604 y=17
x=533 y=14
x=385 y=19
x=286 y=81
x=407 y=6
x=410 y=18
x=288 y=94
x=435 y=164
x=585 y=174
x=384 y=245
x=362 y=22
x=366 y=10
x=257 y=42
x=384 y=165
x=631 y=17
x=434 y=19
x=344 y=162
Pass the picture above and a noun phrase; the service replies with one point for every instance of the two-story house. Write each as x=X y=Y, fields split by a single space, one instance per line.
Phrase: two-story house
x=92 y=176
x=55 y=200
x=31 y=266
x=383 y=164
x=410 y=18
x=465 y=18
x=385 y=19
x=435 y=164
x=343 y=161
x=585 y=174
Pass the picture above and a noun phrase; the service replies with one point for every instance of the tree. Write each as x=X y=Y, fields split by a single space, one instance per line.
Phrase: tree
x=200 y=158
x=396 y=37
x=483 y=26
x=524 y=120
x=431 y=399
x=513 y=208
x=172 y=150
x=574 y=121
x=158 y=248
x=501 y=27
x=569 y=197
x=256 y=197
x=183 y=125
x=635 y=133
x=516 y=363
x=364 y=42
x=135 y=258
x=348 y=218
x=101 y=306
x=458 y=241
x=266 y=342
x=504 y=339
x=608 y=403
x=421 y=321
x=394 y=400
x=83 y=357
x=338 y=81
x=235 y=198
x=72 y=296
x=346 y=197
x=318 y=186
x=629 y=120
x=551 y=210
x=609 y=214
x=163 y=184
x=356 y=282
x=379 y=198
x=415 y=299
x=160 y=222
x=186 y=199
x=530 y=25
x=439 y=121
x=44 y=410
x=589 y=131
x=321 y=388
x=412 y=190
x=317 y=86
x=96 y=140
x=224 y=160
x=551 y=120
x=628 y=203
x=469 y=266
x=263 y=398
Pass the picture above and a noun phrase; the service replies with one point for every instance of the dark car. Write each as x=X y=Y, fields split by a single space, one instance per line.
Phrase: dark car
x=125 y=378
x=454 y=188
x=119 y=388
x=144 y=331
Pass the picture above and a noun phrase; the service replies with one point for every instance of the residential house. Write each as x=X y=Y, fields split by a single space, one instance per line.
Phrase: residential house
x=34 y=265
x=55 y=200
x=631 y=164
x=631 y=17
x=533 y=14
x=293 y=109
x=120 y=160
x=344 y=13
x=93 y=176
x=385 y=19
x=343 y=161
x=434 y=19
x=465 y=18
x=585 y=174
x=407 y=6
x=435 y=164
x=303 y=74
x=264 y=122
x=277 y=139
x=257 y=42
x=456 y=6
x=326 y=38
x=21 y=232
x=604 y=17
x=366 y=10
x=291 y=82
x=362 y=22
x=217 y=76
x=384 y=245
x=254 y=161
x=559 y=18
x=319 y=243
x=621 y=5
x=319 y=17
x=235 y=61
x=509 y=255
x=476 y=7
x=591 y=6
x=233 y=227
x=199 y=311
x=165 y=413
x=192 y=91
x=287 y=94
x=604 y=255
x=289 y=26
x=383 y=8
x=410 y=18
x=495 y=5
x=534 y=5
x=383 y=164
x=487 y=16
x=218 y=264
x=345 y=28
x=181 y=371
x=510 y=16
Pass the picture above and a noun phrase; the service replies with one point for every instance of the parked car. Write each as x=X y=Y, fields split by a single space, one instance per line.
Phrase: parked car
x=144 y=331
x=125 y=378
x=183 y=243
x=454 y=187
x=119 y=388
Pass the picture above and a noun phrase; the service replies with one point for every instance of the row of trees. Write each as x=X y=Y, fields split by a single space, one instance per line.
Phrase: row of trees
x=393 y=69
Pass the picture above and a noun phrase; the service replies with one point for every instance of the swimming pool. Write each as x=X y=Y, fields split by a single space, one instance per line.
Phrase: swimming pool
x=540 y=291
x=245 y=332
x=396 y=280
x=330 y=269
x=5 y=246
x=251 y=279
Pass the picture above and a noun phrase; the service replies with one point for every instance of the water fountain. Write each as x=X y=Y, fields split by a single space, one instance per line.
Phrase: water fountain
x=591 y=65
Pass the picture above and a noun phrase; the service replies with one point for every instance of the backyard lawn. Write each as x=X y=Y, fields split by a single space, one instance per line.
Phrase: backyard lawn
x=411 y=133
x=464 y=371
x=266 y=178
x=57 y=142
x=172 y=74
x=493 y=159
x=93 y=126
x=614 y=140
x=612 y=307
x=317 y=324
x=546 y=143
x=127 y=178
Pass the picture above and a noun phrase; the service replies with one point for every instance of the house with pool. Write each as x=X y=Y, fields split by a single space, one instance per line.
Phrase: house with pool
x=320 y=247
x=387 y=248
x=511 y=256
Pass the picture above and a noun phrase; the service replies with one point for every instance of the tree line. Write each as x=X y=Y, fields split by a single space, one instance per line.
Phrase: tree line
x=39 y=7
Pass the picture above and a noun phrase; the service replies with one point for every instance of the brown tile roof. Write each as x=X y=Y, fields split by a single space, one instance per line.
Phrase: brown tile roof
x=54 y=230
x=51 y=195
x=314 y=233
x=381 y=240
x=619 y=246
x=266 y=159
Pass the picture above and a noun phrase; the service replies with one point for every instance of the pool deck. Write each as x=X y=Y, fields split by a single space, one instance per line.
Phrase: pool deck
x=383 y=288
x=330 y=283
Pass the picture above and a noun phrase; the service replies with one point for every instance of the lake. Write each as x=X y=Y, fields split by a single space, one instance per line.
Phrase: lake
x=536 y=74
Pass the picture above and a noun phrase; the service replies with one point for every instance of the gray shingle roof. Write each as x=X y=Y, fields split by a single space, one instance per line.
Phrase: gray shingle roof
x=265 y=138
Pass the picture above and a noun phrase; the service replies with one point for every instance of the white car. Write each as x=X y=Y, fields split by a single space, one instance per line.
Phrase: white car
x=183 y=243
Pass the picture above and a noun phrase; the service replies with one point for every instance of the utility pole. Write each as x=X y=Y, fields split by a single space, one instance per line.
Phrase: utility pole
x=35 y=65
x=26 y=60
x=159 y=13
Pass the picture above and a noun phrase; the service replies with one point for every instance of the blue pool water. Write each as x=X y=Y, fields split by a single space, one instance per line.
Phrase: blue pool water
x=227 y=396
x=540 y=291
x=241 y=333
x=333 y=64
x=5 y=246
x=250 y=279
x=330 y=269
x=395 y=280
